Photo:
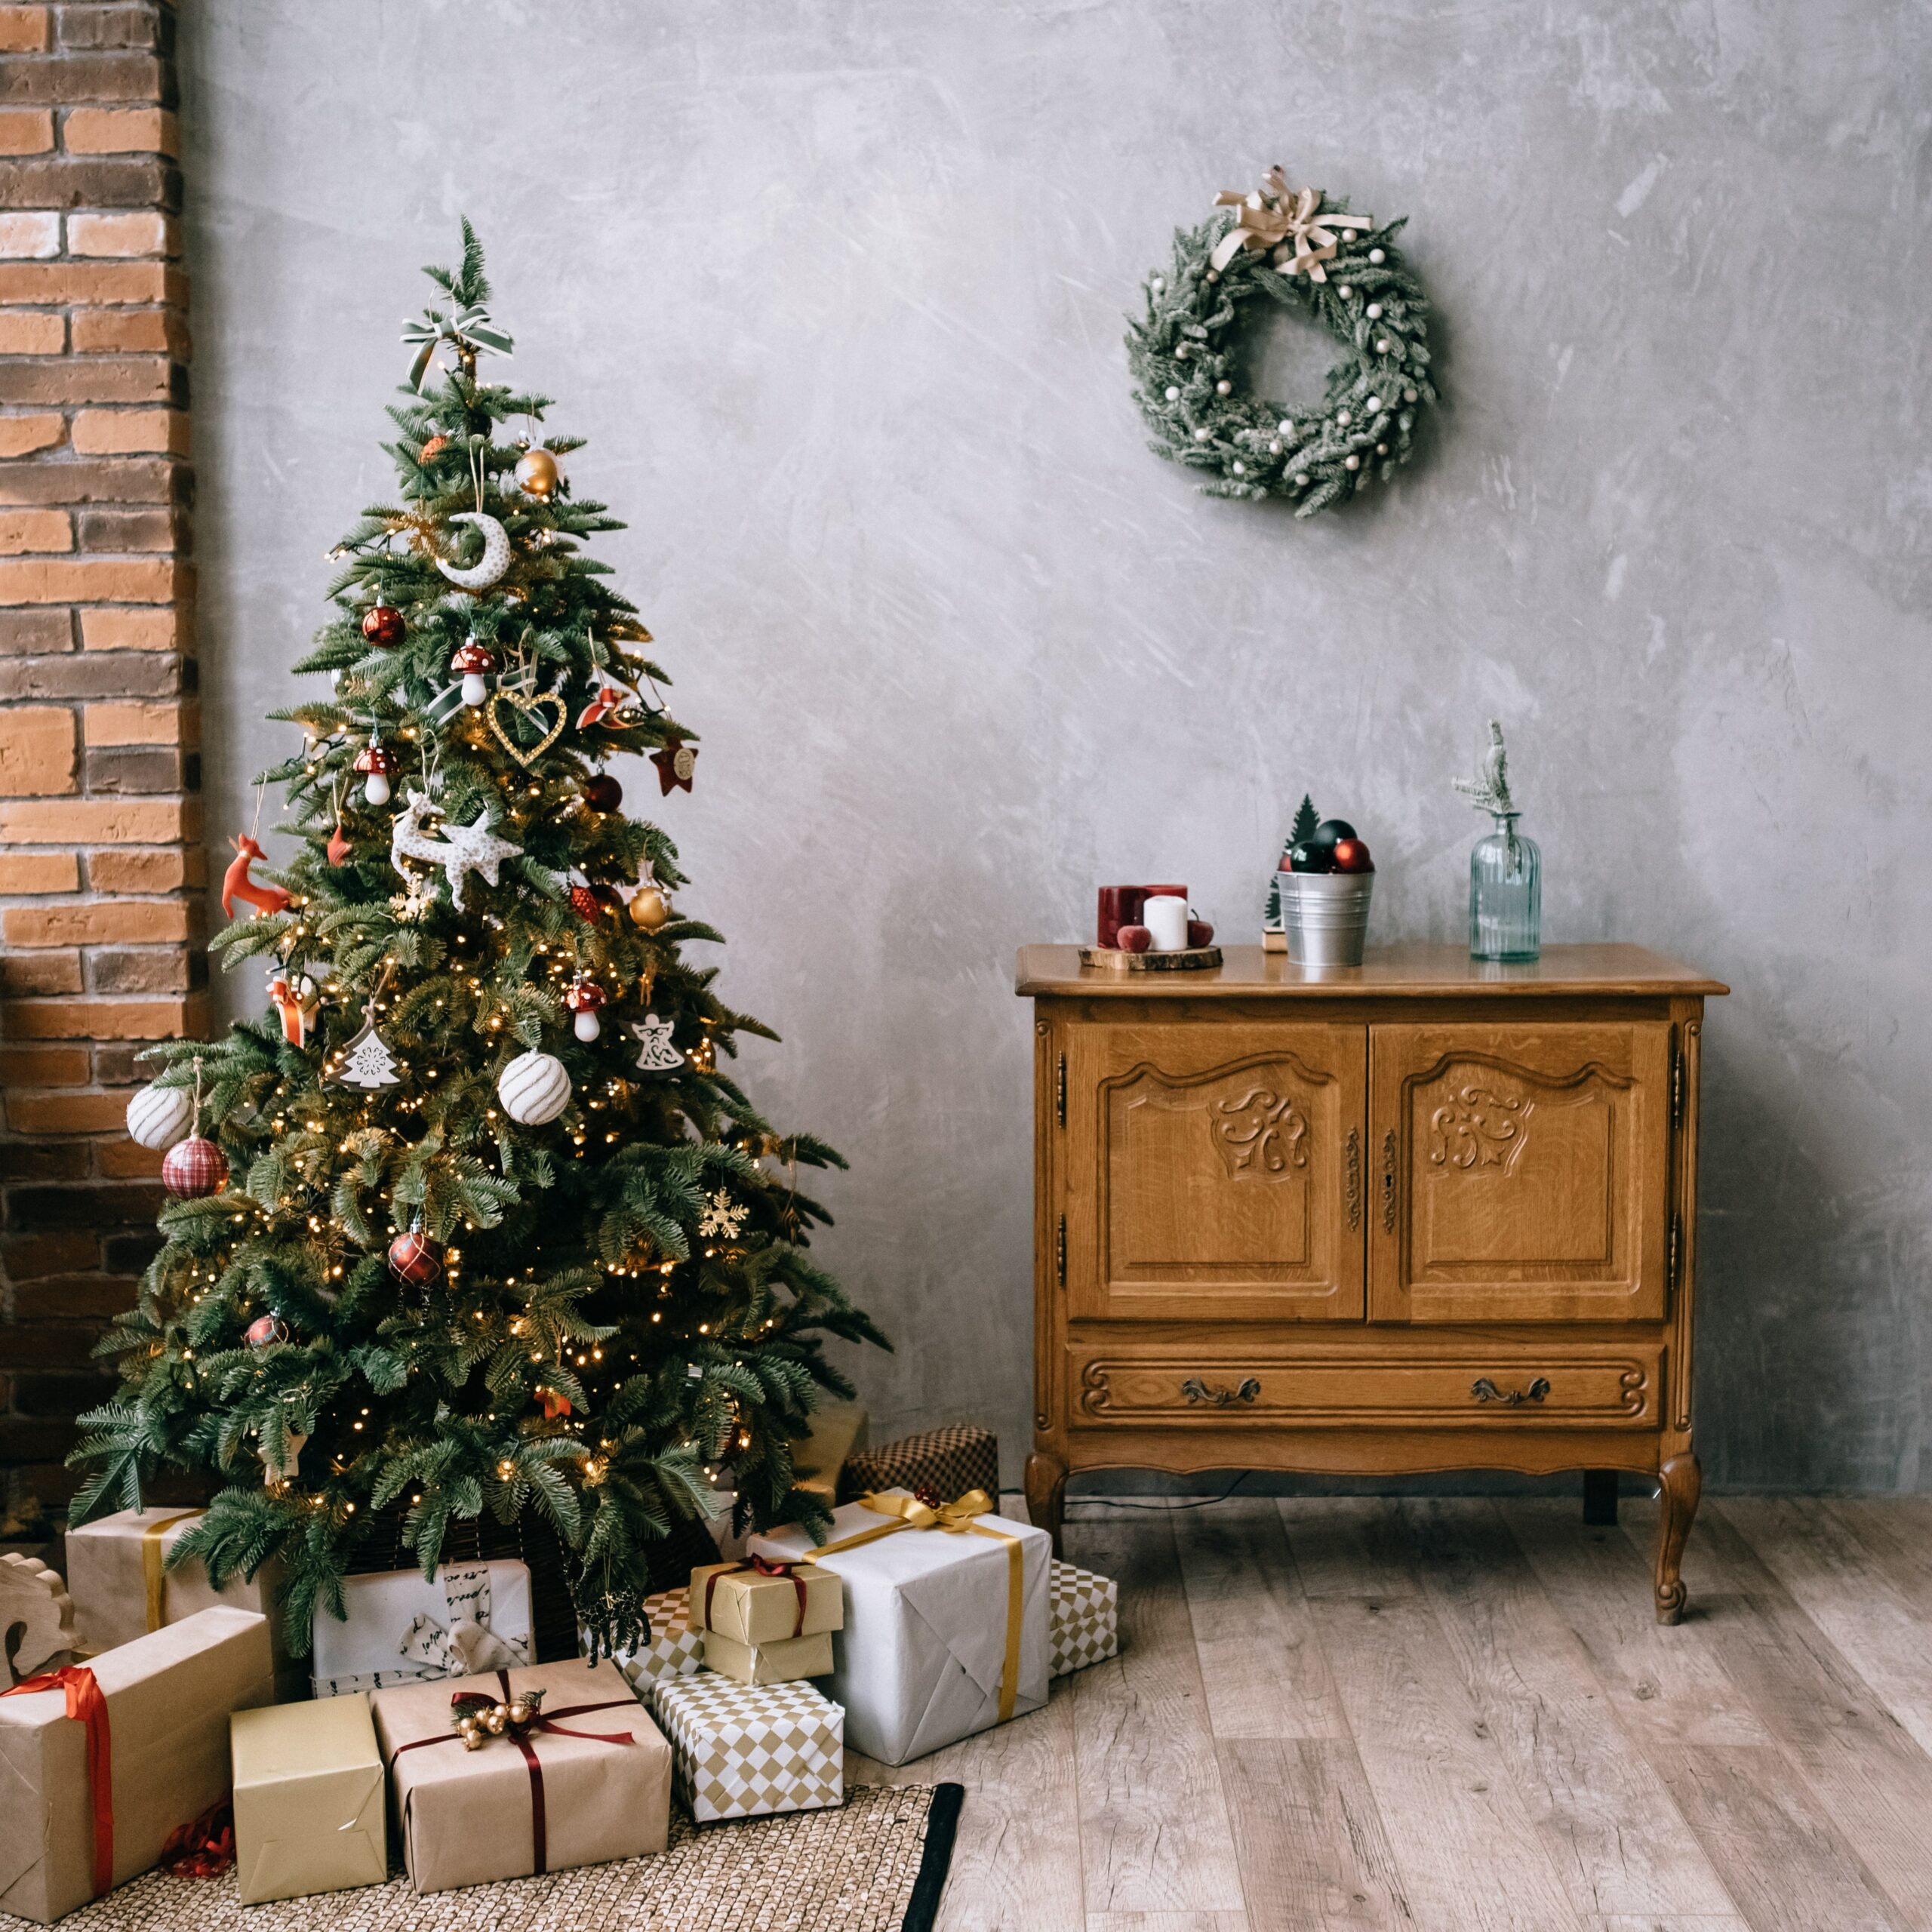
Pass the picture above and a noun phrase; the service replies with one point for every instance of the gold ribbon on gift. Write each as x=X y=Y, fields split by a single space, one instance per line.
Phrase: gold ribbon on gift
x=154 y=1573
x=953 y=1518
x=1287 y=223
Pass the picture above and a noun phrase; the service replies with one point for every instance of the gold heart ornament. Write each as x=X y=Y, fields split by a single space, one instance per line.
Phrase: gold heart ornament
x=544 y=701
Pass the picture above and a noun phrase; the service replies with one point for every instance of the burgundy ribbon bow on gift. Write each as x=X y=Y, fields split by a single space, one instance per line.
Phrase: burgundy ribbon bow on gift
x=764 y=1566
x=470 y=1704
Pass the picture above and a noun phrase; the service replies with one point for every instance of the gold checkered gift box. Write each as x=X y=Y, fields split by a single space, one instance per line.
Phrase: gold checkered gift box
x=747 y=1750
x=675 y=1650
x=1084 y=1617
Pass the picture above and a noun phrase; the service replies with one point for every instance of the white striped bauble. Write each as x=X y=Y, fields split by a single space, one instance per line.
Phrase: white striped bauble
x=159 y=1116
x=533 y=1088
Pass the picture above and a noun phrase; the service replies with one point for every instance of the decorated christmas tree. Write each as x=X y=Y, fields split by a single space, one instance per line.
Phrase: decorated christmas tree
x=480 y=1226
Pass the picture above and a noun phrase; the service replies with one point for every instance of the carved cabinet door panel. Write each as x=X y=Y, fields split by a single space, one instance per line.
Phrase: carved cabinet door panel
x=1215 y=1171
x=1520 y=1173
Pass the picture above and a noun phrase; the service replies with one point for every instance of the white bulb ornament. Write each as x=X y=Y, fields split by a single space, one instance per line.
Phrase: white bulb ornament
x=1376 y=255
x=1342 y=416
x=159 y=1117
x=1224 y=387
x=1351 y=462
x=1173 y=394
x=1373 y=312
x=533 y=1088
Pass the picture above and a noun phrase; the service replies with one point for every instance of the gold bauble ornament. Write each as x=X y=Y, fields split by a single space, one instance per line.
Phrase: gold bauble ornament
x=537 y=474
x=473 y=1737
x=494 y=1720
x=650 y=909
x=519 y=1711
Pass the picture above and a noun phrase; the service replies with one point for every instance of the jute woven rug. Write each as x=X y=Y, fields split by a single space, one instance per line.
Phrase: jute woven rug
x=877 y=1864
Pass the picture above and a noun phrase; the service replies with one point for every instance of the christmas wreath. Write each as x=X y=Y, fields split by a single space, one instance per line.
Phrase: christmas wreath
x=1305 y=250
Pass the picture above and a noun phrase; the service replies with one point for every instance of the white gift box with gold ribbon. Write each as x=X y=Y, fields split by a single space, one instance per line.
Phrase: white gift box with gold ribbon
x=946 y=1619
x=403 y=1628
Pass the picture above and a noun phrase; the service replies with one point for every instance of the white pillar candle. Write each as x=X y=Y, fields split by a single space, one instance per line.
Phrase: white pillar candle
x=1166 y=918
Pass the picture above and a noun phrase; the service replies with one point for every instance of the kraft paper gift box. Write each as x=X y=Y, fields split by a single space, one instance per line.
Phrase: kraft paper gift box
x=753 y=1606
x=838 y=1431
x=744 y=1751
x=117 y=1575
x=587 y=1781
x=780 y=1662
x=675 y=1650
x=97 y=1773
x=932 y=1615
x=1084 y=1617
x=405 y=1629
x=309 y=1799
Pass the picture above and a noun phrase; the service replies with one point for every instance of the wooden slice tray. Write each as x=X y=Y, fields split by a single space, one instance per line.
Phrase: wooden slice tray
x=1189 y=959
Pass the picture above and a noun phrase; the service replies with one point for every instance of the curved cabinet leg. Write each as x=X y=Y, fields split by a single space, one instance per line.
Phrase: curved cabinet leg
x=1681 y=1481
x=1046 y=1490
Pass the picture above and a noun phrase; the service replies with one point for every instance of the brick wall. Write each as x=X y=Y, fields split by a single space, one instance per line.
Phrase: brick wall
x=101 y=866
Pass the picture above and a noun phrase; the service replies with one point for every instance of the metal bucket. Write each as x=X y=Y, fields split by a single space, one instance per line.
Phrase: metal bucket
x=1325 y=916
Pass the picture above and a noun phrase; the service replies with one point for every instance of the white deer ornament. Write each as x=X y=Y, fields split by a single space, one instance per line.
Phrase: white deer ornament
x=462 y=850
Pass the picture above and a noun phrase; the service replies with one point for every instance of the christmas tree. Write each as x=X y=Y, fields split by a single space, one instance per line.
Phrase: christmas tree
x=476 y=1251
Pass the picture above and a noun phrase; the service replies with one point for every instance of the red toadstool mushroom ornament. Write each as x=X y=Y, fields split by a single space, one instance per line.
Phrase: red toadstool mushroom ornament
x=583 y=997
x=473 y=662
x=377 y=765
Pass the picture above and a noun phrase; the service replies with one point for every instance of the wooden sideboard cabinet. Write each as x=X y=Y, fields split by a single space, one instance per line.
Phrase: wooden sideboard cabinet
x=1421 y=1214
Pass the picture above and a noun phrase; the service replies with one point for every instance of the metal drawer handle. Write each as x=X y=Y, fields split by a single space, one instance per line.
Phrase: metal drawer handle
x=1484 y=1390
x=1195 y=1390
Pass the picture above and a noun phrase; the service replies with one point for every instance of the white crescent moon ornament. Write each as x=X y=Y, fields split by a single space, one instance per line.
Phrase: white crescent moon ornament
x=494 y=561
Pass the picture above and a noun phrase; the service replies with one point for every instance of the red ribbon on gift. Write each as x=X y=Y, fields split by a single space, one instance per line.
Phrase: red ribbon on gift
x=86 y=1705
x=518 y=1733
x=204 y=1848
x=764 y=1566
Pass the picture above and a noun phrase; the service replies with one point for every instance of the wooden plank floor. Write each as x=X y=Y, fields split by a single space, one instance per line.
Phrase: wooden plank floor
x=1451 y=1716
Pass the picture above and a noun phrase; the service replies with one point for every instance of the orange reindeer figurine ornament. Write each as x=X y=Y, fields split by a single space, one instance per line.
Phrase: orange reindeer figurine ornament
x=237 y=884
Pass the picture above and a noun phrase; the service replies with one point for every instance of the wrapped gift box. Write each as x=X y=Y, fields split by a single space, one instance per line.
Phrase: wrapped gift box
x=941 y=1461
x=932 y=1616
x=777 y=1662
x=1084 y=1616
x=588 y=1780
x=745 y=1751
x=309 y=1792
x=754 y=1605
x=117 y=1575
x=675 y=1650
x=161 y=1724
x=404 y=1628
x=838 y=1431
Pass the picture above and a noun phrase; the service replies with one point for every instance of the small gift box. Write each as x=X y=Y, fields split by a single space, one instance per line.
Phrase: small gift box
x=522 y=1772
x=1084 y=1617
x=777 y=1662
x=947 y=1462
x=402 y=1628
x=745 y=1751
x=675 y=1650
x=838 y=1432
x=761 y=1601
x=307 y=1799
x=122 y=1588
x=946 y=1619
x=102 y=1763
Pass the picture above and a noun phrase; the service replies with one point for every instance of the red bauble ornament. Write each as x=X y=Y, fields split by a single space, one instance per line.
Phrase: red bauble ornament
x=675 y=762
x=415 y=1259
x=603 y=793
x=194 y=1168
x=1200 y=933
x=1351 y=855
x=555 y=1405
x=383 y=626
x=1134 y=938
x=583 y=903
x=263 y=1330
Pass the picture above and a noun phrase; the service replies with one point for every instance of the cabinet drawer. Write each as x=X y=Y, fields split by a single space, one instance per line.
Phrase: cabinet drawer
x=1570 y=1385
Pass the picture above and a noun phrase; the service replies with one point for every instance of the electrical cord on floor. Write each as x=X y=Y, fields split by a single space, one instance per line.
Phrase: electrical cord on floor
x=1120 y=1503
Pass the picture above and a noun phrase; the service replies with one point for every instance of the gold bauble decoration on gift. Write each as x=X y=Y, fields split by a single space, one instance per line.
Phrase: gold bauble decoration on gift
x=537 y=474
x=494 y=1721
x=519 y=1711
x=650 y=909
x=474 y=1736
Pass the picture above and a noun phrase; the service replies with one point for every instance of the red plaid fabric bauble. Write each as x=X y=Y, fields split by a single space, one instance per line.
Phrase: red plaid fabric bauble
x=194 y=1167
x=944 y=1462
x=415 y=1259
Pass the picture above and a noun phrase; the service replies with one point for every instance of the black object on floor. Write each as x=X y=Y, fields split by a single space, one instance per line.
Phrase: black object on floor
x=942 y=1827
x=1600 y=1498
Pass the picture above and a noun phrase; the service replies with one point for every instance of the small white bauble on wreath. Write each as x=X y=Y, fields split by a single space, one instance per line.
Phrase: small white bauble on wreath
x=1300 y=248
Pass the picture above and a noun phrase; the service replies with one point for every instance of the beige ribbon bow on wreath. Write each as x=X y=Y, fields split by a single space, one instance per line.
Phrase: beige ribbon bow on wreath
x=1287 y=222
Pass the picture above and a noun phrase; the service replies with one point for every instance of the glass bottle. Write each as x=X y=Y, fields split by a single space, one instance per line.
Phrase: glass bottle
x=1506 y=894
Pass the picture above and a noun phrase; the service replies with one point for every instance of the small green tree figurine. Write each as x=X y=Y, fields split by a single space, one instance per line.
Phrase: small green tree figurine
x=500 y=1260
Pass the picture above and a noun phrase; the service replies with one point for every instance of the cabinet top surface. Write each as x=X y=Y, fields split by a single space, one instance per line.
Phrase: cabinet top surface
x=1409 y=971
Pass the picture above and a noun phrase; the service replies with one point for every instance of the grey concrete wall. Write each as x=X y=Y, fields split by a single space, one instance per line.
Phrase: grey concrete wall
x=837 y=291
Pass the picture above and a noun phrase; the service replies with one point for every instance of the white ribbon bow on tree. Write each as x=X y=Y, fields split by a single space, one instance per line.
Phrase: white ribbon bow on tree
x=1287 y=224
x=469 y=1645
x=469 y=331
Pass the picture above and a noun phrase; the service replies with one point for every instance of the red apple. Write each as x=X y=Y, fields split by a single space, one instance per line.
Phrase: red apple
x=1134 y=938
x=1351 y=855
x=1200 y=933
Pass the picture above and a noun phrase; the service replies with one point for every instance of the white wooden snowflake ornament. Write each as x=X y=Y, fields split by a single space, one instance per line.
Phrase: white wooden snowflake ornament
x=722 y=1215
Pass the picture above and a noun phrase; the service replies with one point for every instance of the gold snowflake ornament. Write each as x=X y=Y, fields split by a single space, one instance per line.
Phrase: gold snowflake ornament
x=721 y=1216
